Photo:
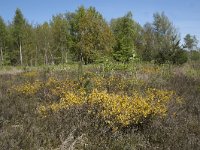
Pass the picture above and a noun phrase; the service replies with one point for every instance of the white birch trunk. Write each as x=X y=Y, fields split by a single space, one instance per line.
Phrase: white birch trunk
x=36 y=56
x=45 y=57
x=20 y=51
x=66 y=59
x=1 y=56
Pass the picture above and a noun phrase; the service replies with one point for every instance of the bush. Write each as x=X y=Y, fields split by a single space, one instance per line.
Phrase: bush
x=194 y=55
x=180 y=57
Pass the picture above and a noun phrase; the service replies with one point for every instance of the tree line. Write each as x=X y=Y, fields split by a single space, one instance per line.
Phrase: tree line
x=84 y=35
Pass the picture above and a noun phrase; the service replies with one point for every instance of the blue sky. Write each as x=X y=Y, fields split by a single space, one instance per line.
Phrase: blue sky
x=185 y=14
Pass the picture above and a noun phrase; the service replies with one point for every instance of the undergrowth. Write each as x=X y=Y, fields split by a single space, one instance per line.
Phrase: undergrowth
x=144 y=107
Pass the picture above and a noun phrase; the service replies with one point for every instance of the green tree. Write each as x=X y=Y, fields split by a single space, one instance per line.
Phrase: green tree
x=167 y=39
x=3 y=40
x=190 y=42
x=29 y=44
x=18 y=32
x=139 y=40
x=124 y=31
x=163 y=41
x=91 y=35
x=44 y=40
x=147 y=53
x=194 y=55
x=61 y=38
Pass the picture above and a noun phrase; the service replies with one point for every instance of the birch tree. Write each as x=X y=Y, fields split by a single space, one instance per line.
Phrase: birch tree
x=91 y=35
x=3 y=39
x=61 y=38
x=18 y=33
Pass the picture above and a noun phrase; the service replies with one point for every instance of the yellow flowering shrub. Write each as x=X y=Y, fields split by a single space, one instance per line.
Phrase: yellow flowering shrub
x=59 y=88
x=54 y=86
x=116 y=84
x=28 y=88
x=116 y=110
x=116 y=107
x=126 y=110
x=98 y=81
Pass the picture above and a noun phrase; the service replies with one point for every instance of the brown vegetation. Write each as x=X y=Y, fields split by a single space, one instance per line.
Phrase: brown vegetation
x=29 y=119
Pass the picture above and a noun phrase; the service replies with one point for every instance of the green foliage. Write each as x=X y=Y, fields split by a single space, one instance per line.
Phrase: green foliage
x=180 y=57
x=91 y=35
x=3 y=41
x=162 y=41
x=3 y=32
x=29 y=42
x=61 y=38
x=191 y=42
x=194 y=55
x=44 y=42
x=167 y=36
x=84 y=35
x=124 y=30
x=6 y=59
x=18 y=35
x=18 y=25
x=147 y=52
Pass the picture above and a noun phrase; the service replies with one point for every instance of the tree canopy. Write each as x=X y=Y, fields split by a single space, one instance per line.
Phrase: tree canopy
x=191 y=42
x=124 y=29
x=84 y=35
x=91 y=35
x=3 y=40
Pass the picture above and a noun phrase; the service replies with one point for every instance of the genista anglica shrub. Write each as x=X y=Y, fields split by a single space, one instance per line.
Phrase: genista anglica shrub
x=117 y=110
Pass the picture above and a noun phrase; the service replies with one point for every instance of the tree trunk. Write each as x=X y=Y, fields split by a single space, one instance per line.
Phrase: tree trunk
x=20 y=51
x=1 y=56
x=52 y=58
x=62 y=55
x=36 y=56
x=45 y=57
x=31 y=61
x=66 y=55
